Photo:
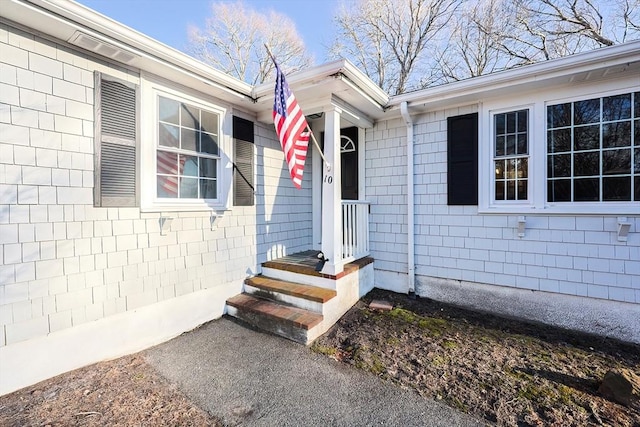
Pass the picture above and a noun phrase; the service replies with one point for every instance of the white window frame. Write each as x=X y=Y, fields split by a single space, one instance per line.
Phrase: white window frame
x=493 y=114
x=590 y=205
x=151 y=90
x=536 y=102
x=487 y=202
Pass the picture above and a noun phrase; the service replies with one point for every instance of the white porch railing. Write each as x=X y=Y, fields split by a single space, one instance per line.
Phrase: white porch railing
x=355 y=230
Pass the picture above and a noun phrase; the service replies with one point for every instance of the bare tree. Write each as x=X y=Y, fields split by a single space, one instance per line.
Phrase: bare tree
x=546 y=29
x=233 y=41
x=388 y=39
x=472 y=49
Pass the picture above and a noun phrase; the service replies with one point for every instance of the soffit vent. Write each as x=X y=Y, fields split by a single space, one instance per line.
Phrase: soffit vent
x=98 y=46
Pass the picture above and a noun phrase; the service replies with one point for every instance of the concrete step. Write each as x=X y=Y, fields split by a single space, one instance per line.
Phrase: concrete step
x=298 y=295
x=293 y=323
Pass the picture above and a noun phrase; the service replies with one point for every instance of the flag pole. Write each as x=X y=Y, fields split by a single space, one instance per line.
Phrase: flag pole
x=313 y=137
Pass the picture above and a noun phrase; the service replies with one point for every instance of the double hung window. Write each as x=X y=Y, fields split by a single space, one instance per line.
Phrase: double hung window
x=187 y=153
x=511 y=155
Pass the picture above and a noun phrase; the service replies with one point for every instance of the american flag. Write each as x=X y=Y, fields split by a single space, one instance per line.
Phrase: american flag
x=291 y=127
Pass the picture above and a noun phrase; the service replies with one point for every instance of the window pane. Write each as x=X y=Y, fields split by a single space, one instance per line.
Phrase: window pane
x=190 y=116
x=636 y=188
x=499 y=190
x=511 y=190
x=188 y=188
x=511 y=122
x=616 y=134
x=189 y=165
x=586 y=164
x=559 y=140
x=511 y=169
x=523 y=168
x=168 y=135
x=500 y=168
x=636 y=132
x=189 y=140
x=586 y=111
x=208 y=168
x=586 y=190
x=209 y=122
x=208 y=189
x=636 y=104
x=500 y=124
x=511 y=145
x=559 y=166
x=559 y=190
x=208 y=144
x=167 y=186
x=616 y=162
x=522 y=144
x=167 y=163
x=586 y=138
x=522 y=190
x=636 y=160
x=169 y=110
x=522 y=120
x=559 y=115
x=616 y=188
x=616 y=107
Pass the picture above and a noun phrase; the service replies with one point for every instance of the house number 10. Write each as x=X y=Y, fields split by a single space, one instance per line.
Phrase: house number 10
x=328 y=179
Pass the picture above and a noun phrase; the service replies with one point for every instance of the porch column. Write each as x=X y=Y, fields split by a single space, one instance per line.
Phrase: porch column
x=331 y=194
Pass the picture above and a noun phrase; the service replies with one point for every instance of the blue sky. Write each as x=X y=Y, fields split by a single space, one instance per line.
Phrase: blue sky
x=167 y=20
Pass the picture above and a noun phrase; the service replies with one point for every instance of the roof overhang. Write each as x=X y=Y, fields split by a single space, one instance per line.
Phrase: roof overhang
x=76 y=24
x=599 y=64
x=334 y=83
x=315 y=87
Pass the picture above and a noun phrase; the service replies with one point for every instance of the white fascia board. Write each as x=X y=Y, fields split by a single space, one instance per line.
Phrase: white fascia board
x=320 y=73
x=136 y=42
x=621 y=54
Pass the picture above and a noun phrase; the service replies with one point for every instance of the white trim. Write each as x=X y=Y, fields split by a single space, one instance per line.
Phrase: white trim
x=537 y=102
x=560 y=69
x=109 y=338
x=150 y=89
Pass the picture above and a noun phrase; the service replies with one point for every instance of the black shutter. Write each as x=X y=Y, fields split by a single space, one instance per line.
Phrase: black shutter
x=243 y=186
x=116 y=143
x=462 y=160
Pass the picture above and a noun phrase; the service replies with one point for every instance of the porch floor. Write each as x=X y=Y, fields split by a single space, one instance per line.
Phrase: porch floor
x=305 y=263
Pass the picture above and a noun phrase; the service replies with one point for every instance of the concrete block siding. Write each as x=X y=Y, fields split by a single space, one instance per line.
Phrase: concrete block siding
x=568 y=254
x=64 y=262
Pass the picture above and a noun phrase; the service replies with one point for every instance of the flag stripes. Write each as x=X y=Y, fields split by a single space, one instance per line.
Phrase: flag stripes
x=291 y=127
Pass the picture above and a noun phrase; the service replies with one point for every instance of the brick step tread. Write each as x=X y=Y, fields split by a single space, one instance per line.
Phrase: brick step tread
x=308 y=292
x=301 y=318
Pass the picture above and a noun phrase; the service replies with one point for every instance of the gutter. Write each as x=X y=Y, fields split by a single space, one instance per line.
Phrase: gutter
x=411 y=262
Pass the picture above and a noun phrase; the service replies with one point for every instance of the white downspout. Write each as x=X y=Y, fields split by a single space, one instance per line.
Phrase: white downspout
x=411 y=262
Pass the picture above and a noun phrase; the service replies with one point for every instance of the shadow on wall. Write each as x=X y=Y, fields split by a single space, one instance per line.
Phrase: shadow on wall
x=283 y=212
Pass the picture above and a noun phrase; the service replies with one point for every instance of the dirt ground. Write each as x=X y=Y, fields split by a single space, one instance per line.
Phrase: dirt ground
x=505 y=371
x=121 y=392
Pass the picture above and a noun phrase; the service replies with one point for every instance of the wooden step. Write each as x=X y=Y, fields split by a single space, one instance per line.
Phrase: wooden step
x=307 y=292
x=280 y=314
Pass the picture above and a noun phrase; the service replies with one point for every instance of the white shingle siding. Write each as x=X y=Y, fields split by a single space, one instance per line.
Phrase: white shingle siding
x=577 y=255
x=65 y=262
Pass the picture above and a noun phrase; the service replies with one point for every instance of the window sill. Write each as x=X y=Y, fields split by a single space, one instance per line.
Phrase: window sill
x=579 y=209
x=184 y=207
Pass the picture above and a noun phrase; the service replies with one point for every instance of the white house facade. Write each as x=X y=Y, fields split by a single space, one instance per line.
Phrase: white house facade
x=143 y=193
